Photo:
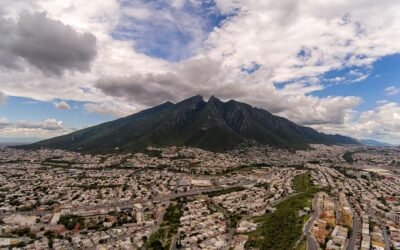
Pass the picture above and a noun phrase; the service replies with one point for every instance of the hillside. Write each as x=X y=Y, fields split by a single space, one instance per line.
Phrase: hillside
x=212 y=125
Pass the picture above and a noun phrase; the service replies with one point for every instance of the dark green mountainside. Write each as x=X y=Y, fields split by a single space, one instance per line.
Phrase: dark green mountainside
x=212 y=125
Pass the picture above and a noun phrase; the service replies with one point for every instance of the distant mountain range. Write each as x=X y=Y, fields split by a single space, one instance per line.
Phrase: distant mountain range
x=213 y=125
x=12 y=141
x=374 y=143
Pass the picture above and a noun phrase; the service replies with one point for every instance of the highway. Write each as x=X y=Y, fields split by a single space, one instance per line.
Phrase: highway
x=129 y=203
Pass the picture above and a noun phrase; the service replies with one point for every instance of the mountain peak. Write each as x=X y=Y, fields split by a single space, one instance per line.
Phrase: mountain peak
x=192 y=100
x=214 y=99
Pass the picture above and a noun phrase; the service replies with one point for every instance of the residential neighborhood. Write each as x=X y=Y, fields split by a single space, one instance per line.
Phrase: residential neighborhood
x=187 y=198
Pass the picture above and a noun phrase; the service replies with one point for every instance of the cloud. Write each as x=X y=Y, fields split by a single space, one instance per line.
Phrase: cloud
x=47 y=44
x=48 y=124
x=4 y=122
x=2 y=98
x=63 y=105
x=140 y=13
x=194 y=76
x=290 y=60
x=208 y=77
x=308 y=110
x=44 y=129
x=172 y=30
x=392 y=90
x=382 y=123
x=382 y=101
x=110 y=108
x=208 y=57
x=271 y=33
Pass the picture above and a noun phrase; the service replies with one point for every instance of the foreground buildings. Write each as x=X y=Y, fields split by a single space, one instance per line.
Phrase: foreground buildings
x=193 y=199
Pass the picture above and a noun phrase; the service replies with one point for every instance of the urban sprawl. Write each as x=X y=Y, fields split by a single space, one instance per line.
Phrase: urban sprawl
x=326 y=197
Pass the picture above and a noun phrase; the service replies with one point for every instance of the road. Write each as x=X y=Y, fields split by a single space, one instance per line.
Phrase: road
x=231 y=228
x=173 y=243
x=356 y=231
x=353 y=242
x=312 y=243
x=155 y=227
x=386 y=238
x=160 y=217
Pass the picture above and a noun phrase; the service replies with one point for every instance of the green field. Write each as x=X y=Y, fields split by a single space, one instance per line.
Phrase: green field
x=302 y=245
x=283 y=228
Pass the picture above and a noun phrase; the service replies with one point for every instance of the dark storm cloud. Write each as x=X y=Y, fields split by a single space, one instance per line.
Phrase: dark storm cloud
x=148 y=90
x=47 y=44
x=195 y=76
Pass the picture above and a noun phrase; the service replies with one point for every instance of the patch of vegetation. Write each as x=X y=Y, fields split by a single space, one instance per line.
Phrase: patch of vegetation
x=168 y=228
x=51 y=236
x=14 y=201
x=243 y=167
x=302 y=245
x=262 y=185
x=348 y=157
x=56 y=164
x=301 y=183
x=20 y=232
x=70 y=221
x=343 y=171
x=225 y=191
x=285 y=218
x=297 y=166
x=153 y=153
x=96 y=186
x=26 y=208
x=234 y=219
x=50 y=202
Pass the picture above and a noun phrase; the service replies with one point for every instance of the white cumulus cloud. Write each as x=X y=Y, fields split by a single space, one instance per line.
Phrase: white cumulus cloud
x=63 y=105
x=392 y=90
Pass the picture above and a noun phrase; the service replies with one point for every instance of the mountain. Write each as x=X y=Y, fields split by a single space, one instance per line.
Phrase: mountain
x=212 y=125
x=374 y=143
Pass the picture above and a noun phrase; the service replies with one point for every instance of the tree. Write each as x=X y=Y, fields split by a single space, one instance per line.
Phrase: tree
x=156 y=245
x=70 y=221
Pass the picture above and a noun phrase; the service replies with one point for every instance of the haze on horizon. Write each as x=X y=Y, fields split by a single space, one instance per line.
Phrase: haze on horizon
x=330 y=65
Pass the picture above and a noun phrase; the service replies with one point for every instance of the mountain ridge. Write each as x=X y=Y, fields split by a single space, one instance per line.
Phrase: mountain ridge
x=375 y=143
x=213 y=125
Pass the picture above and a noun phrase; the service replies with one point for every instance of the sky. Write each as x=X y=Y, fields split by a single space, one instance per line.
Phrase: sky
x=69 y=64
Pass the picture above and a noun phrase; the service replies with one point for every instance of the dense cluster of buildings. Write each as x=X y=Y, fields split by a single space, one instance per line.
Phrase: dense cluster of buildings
x=272 y=185
x=53 y=199
x=201 y=228
x=365 y=203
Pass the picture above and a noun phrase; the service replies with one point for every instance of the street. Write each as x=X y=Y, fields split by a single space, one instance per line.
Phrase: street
x=312 y=243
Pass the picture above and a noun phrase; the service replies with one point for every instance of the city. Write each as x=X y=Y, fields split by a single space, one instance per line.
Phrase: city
x=199 y=125
x=338 y=197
